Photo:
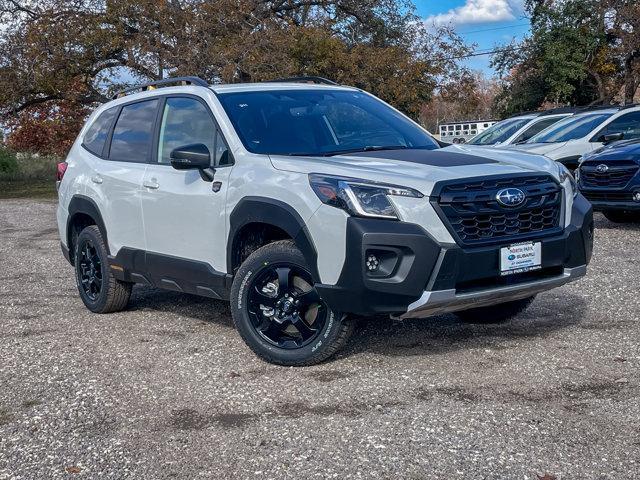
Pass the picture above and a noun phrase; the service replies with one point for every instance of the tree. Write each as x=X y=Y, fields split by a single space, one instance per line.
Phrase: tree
x=468 y=97
x=375 y=44
x=579 y=52
x=48 y=128
x=623 y=18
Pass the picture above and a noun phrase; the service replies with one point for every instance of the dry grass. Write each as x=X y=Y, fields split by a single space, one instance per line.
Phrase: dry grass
x=29 y=176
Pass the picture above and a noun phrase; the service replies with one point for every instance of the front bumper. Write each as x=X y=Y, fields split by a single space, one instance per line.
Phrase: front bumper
x=441 y=301
x=421 y=277
x=612 y=199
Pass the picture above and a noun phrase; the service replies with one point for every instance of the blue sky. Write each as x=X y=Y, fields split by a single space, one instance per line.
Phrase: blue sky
x=488 y=23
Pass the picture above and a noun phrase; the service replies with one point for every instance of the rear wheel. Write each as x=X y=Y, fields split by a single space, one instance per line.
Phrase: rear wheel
x=100 y=291
x=499 y=313
x=279 y=313
x=622 y=216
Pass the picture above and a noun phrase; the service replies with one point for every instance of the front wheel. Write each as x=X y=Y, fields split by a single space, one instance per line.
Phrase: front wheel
x=279 y=313
x=499 y=313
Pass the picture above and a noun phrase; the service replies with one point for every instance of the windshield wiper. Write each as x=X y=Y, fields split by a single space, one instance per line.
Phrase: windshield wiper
x=368 y=148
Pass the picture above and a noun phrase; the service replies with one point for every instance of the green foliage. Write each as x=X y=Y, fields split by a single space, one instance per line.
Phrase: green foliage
x=27 y=175
x=579 y=52
x=8 y=162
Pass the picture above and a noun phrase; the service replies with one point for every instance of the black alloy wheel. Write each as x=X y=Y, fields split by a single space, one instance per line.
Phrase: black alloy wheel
x=90 y=270
x=279 y=313
x=284 y=307
x=99 y=290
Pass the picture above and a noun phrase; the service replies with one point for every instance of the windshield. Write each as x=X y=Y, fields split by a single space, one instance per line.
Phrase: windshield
x=319 y=122
x=570 y=128
x=499 y=132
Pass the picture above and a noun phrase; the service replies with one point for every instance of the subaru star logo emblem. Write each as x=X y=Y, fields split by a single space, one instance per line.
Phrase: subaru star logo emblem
x=510 y=197
x=602 y=168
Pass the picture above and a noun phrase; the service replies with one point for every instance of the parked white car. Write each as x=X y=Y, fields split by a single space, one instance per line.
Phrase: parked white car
x=569 y=139
x=302 y=204
x=518 y=129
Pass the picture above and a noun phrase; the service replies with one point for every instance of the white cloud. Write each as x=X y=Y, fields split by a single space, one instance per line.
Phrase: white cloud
x=475 y=11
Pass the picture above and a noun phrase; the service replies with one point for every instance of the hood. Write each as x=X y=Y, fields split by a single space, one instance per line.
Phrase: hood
x=624 y=150
x=538 y=148
x=418 y=168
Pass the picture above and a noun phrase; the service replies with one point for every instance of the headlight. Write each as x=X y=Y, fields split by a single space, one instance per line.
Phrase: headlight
x=564 y=174
x=361 y=198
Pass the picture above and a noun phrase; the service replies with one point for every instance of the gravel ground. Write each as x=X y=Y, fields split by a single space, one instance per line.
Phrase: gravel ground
x=167 y=389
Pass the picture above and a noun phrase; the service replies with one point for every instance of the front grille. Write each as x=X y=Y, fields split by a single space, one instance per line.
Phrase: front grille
x=594 y=196
x=476 y=218
x=618 y=173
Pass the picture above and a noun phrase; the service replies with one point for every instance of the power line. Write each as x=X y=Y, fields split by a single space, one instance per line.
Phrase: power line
x=495 y=28
x=480 y=53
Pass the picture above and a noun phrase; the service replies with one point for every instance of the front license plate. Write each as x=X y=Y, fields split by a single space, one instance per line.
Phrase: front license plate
x=520 y=258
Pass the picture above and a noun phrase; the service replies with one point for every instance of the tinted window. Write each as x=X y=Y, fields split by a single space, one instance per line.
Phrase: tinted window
x=185 y=121
x=97 y=134
x=570 y=128
x=133 y=132
x=536 y=128
x=628 y=125
x=499 y=132
x=317 y=122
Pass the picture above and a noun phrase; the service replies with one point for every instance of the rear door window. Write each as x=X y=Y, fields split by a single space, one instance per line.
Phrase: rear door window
x=536 y=128
x=133 y=133
x=96 y=136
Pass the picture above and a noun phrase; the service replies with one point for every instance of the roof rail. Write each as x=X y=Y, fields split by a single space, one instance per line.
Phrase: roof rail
x=164 y=82
x=522 y=114
x=590 y=108
x=557 y=110
x=309 y=79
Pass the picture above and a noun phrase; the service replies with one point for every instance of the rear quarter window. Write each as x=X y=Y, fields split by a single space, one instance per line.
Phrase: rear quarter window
x=132 y=135
x=96 y=136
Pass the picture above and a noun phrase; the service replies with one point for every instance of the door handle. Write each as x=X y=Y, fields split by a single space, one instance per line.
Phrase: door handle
x=96 y=179
x=151 y=184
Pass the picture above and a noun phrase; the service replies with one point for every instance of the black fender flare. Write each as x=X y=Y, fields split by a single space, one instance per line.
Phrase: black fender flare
x=273 y=212
x=81 y=204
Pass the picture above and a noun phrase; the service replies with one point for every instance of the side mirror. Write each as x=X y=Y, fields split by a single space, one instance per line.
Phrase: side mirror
x=193 y=157
x=611 y=137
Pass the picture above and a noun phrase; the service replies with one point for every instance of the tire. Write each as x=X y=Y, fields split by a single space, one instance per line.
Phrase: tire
x=622 y=216
x=99 y=290
x=272 y=293
x=499 y=313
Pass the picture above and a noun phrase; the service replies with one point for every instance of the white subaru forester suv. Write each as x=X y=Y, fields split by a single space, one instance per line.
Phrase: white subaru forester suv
x=304 y=204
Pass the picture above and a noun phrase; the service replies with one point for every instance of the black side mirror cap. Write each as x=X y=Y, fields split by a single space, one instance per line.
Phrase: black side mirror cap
x=191 y=157
x=611 y=137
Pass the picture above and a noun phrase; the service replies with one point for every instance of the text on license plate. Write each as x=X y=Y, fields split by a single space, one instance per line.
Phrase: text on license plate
x=520 y=258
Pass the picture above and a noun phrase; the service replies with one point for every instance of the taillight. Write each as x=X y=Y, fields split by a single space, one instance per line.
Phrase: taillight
x=60 y=170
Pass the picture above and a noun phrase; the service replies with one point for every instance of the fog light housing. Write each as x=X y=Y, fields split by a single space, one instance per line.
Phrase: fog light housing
x=636 y=196
x=382 y=262
x=372 y=263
